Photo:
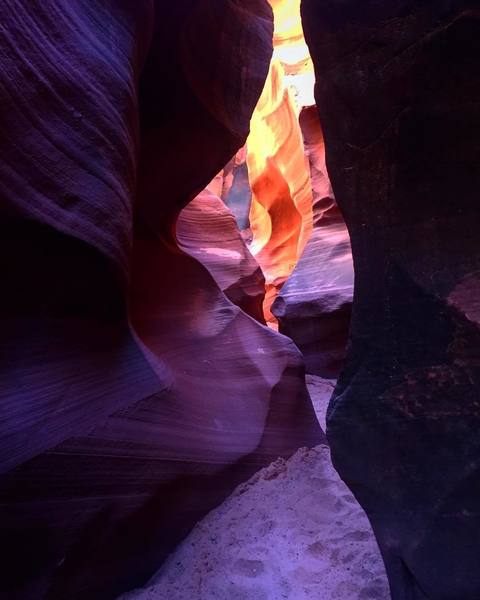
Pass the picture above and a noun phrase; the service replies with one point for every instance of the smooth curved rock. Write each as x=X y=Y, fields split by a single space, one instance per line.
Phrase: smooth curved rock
x=69 y=129
x=281 y=199
x=313 y=307
x=208 y=231
x=398 y=92
x=116 y=427
x=281 y=207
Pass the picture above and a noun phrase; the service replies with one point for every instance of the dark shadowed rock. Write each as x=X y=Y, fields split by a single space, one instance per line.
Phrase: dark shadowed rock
x=399 y=98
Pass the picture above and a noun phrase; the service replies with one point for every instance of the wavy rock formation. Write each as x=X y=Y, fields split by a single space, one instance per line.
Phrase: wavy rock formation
x=120 y=429
x=208 y=231
x=313 y=307
x=398 y=92
x=281 y=203
x=281 y=207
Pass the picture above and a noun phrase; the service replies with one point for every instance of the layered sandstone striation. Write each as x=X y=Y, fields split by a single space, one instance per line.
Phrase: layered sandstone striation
x=398 y=93
x=208 y=231
x=134 y=394
x=313 y=307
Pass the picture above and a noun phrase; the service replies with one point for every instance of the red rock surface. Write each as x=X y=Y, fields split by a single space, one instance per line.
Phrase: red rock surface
x=134 y=394
x=281 y=204
x=281 y=207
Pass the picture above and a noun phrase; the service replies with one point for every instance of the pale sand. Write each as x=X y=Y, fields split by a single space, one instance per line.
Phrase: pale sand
x=292 y=531
x=321 y=391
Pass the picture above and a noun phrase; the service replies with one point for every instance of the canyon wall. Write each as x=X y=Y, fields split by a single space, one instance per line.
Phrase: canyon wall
x=398 y=93
x=314 y=306
x=281 y=206
x=134 y=394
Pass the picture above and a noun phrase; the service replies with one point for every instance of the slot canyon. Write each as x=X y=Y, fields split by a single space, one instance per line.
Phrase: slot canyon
x=240 y=340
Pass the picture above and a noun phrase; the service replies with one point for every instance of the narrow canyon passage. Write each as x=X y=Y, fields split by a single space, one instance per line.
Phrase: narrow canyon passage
x=277 y=187
x=269 y=231
x=196 y=402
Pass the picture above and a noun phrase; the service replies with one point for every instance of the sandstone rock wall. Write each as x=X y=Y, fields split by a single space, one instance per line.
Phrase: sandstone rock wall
x=398 y=93
x=313 y=307
x=134 y=395
x=281 y=206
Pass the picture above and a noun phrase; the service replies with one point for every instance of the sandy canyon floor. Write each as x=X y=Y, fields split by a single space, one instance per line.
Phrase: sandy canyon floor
x=293 y=531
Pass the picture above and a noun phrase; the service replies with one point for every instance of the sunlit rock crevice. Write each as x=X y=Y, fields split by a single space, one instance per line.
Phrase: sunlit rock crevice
x=314 y=306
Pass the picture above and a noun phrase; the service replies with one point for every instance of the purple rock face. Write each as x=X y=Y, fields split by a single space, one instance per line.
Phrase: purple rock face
x=398 y=92
x=134 y=395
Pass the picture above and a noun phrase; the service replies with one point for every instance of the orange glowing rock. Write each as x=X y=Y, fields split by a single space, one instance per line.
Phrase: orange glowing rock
x=281 y=208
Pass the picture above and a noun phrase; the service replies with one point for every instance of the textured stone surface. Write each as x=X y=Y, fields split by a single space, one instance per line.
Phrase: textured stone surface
x=208 y=231
x=313 y=307
x=398 y=94
x=69 y=129
x=119 y=430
